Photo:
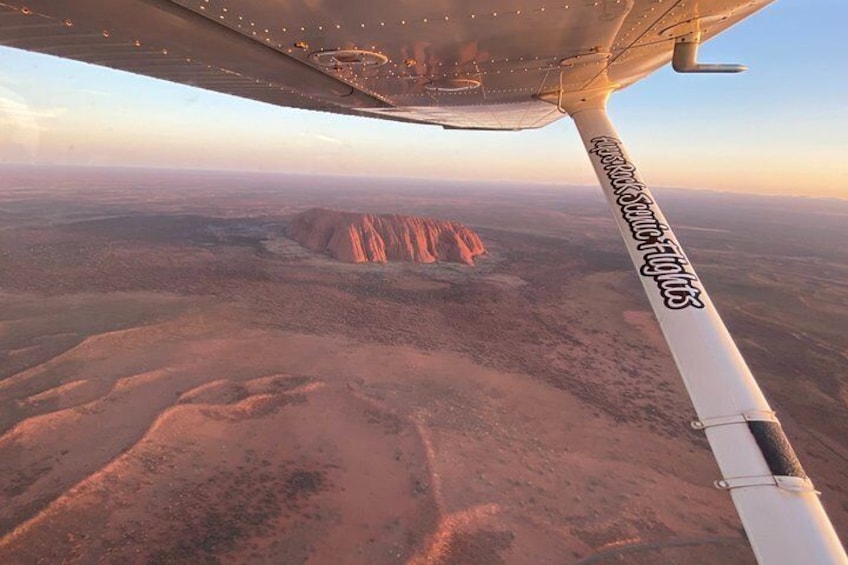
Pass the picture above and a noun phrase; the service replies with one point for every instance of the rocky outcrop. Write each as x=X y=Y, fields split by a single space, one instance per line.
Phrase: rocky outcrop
x=362 y=238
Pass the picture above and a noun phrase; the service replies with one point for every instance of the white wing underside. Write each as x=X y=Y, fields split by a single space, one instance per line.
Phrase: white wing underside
x=266 y=51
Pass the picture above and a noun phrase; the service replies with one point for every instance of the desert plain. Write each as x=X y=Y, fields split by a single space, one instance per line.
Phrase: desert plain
x=182 y=383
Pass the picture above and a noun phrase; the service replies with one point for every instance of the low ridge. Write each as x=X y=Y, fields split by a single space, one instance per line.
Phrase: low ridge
x=362 y=238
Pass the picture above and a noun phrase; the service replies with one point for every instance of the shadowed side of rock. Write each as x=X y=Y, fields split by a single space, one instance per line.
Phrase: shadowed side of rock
x=371 y=238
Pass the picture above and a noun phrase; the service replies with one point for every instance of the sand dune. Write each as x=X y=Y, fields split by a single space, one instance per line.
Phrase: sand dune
x=393 y=475
x=236 y=486
x=65 y=393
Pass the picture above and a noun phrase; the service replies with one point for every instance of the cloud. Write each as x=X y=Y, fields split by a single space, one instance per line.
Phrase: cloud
x=6 y=79
x=14 y=111
x=14 y=108
x=93 y=92
x=22 y=124
x=325 y=138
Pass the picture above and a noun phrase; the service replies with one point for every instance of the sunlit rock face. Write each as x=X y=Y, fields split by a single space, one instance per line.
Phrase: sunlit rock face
x=372 y=238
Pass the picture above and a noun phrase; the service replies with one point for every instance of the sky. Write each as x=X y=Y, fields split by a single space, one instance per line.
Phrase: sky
x=780 y=128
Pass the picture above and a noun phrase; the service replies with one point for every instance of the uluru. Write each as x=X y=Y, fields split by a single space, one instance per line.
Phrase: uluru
x=377 y=238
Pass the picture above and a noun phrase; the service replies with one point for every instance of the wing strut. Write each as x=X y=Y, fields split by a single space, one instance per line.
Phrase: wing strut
x=775 y=499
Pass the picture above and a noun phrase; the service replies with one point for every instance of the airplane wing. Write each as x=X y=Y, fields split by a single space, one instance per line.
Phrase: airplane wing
x=495 y=64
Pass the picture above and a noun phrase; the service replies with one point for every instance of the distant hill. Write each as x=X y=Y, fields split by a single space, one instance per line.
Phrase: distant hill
x=370 y=238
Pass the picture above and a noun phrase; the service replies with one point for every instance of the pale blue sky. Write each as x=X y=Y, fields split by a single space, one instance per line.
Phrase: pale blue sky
x=782 y=127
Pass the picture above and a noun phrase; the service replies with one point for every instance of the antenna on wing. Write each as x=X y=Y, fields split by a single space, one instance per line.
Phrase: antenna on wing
x=688 y=36
x=685 y=58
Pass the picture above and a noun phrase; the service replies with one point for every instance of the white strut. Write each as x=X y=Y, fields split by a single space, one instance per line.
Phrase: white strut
x=778 y=506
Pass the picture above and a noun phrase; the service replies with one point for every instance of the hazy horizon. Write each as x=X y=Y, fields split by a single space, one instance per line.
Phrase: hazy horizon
x=550 y=185
x=742 y=133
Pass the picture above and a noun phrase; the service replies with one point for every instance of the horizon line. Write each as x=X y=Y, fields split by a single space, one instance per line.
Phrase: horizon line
x=441 y=180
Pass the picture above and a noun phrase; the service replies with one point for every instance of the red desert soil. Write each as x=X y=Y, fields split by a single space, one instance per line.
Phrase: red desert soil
x=369 y=238
x=180 y=384
x=310 y=449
